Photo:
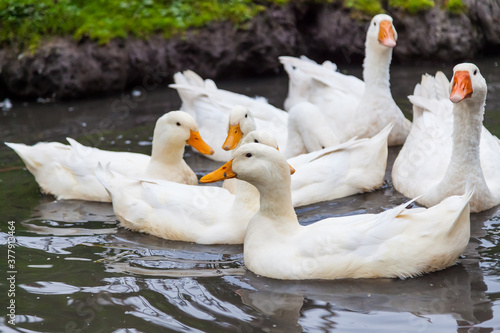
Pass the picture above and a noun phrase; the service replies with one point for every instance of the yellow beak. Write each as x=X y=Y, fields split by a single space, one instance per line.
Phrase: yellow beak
x=197 y=142
x=224 y=172
x=234 y=136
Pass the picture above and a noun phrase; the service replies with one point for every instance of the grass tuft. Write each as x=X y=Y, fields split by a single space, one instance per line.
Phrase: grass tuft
x=23 y=23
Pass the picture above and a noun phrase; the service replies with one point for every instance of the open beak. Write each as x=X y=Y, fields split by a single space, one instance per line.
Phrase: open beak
x=234 y=136
x=462 y=86
x=224 y=172
x=197 y=142
x=386 y=34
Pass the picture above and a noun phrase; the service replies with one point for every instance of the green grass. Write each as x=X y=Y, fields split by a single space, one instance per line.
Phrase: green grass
x=23 y=23
x=373 y=7
x=455 y=6
x=412 y=6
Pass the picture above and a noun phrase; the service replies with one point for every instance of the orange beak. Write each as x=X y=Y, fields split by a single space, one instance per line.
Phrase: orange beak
x=197 y=142
x=224 y=172
x=462 y=86
x=234 y=136
x=292 y=170
x=386 y=34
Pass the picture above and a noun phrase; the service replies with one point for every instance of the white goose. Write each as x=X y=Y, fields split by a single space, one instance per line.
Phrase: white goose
x=200 y=214
x=67 y=172
x=399 y=242
x=353 y=107
x=448 y=146
x=329 y=173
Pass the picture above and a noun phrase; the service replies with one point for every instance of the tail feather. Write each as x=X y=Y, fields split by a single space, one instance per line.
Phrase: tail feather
x=463 y=214
x=442 y=85
x=428 y=93
x=24 y=153
x=189 y=77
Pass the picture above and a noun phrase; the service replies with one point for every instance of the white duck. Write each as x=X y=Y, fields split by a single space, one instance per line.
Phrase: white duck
x=448 y=146
x=200 y=214
x=353 y=107
x=399 y=242
x=211 y=106
x=329 y=173
x=67 y=172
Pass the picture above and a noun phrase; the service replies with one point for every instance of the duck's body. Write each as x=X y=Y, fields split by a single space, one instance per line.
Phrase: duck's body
x=338 y=171
x=353 y=107
x=67 y=172
x=396 y=243
x=351 y=167
x=199 y=214
x=308 y=130
x=448 y=148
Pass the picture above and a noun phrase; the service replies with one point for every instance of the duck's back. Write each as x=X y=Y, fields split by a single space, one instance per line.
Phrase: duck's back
x=396 y=243
x=67 y=172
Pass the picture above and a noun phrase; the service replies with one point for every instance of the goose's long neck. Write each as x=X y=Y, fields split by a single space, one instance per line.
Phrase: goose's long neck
x=376 y=67
x=467 y=127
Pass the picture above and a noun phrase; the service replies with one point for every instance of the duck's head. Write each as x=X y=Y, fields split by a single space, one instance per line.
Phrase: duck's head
x=382 y=30
x=260 y=136
x=255 y=163
x=241 y=123
x=180 y=126
x=467 y=83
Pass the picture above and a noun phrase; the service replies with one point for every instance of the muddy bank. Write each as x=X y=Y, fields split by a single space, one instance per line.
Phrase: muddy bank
x=63 y=68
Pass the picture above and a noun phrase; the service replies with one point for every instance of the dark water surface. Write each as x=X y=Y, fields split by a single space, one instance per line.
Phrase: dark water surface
x=75 y=271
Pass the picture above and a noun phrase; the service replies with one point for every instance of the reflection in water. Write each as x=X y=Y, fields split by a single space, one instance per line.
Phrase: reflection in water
x=281 y=311
x=73 y=211
x=129 y=254
x=78 y=272
x=179 y=285
x=446 y=292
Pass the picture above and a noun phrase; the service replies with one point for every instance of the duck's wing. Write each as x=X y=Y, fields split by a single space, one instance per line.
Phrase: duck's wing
x=166 y=209
x=352 y=167
x=399 y=242
x=357 y=237
x=317 y=83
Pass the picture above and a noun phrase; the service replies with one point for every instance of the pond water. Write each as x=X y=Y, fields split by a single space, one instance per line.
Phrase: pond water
x=76 y=271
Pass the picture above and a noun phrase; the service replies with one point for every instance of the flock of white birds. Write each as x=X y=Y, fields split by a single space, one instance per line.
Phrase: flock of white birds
x=334 y=132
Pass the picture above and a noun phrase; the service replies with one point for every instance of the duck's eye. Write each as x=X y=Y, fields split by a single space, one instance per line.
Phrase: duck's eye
x=256 y=141
x=374 y=24
x=178 y=124
x=475 y=72
x=246 y=115
x=248 y=155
